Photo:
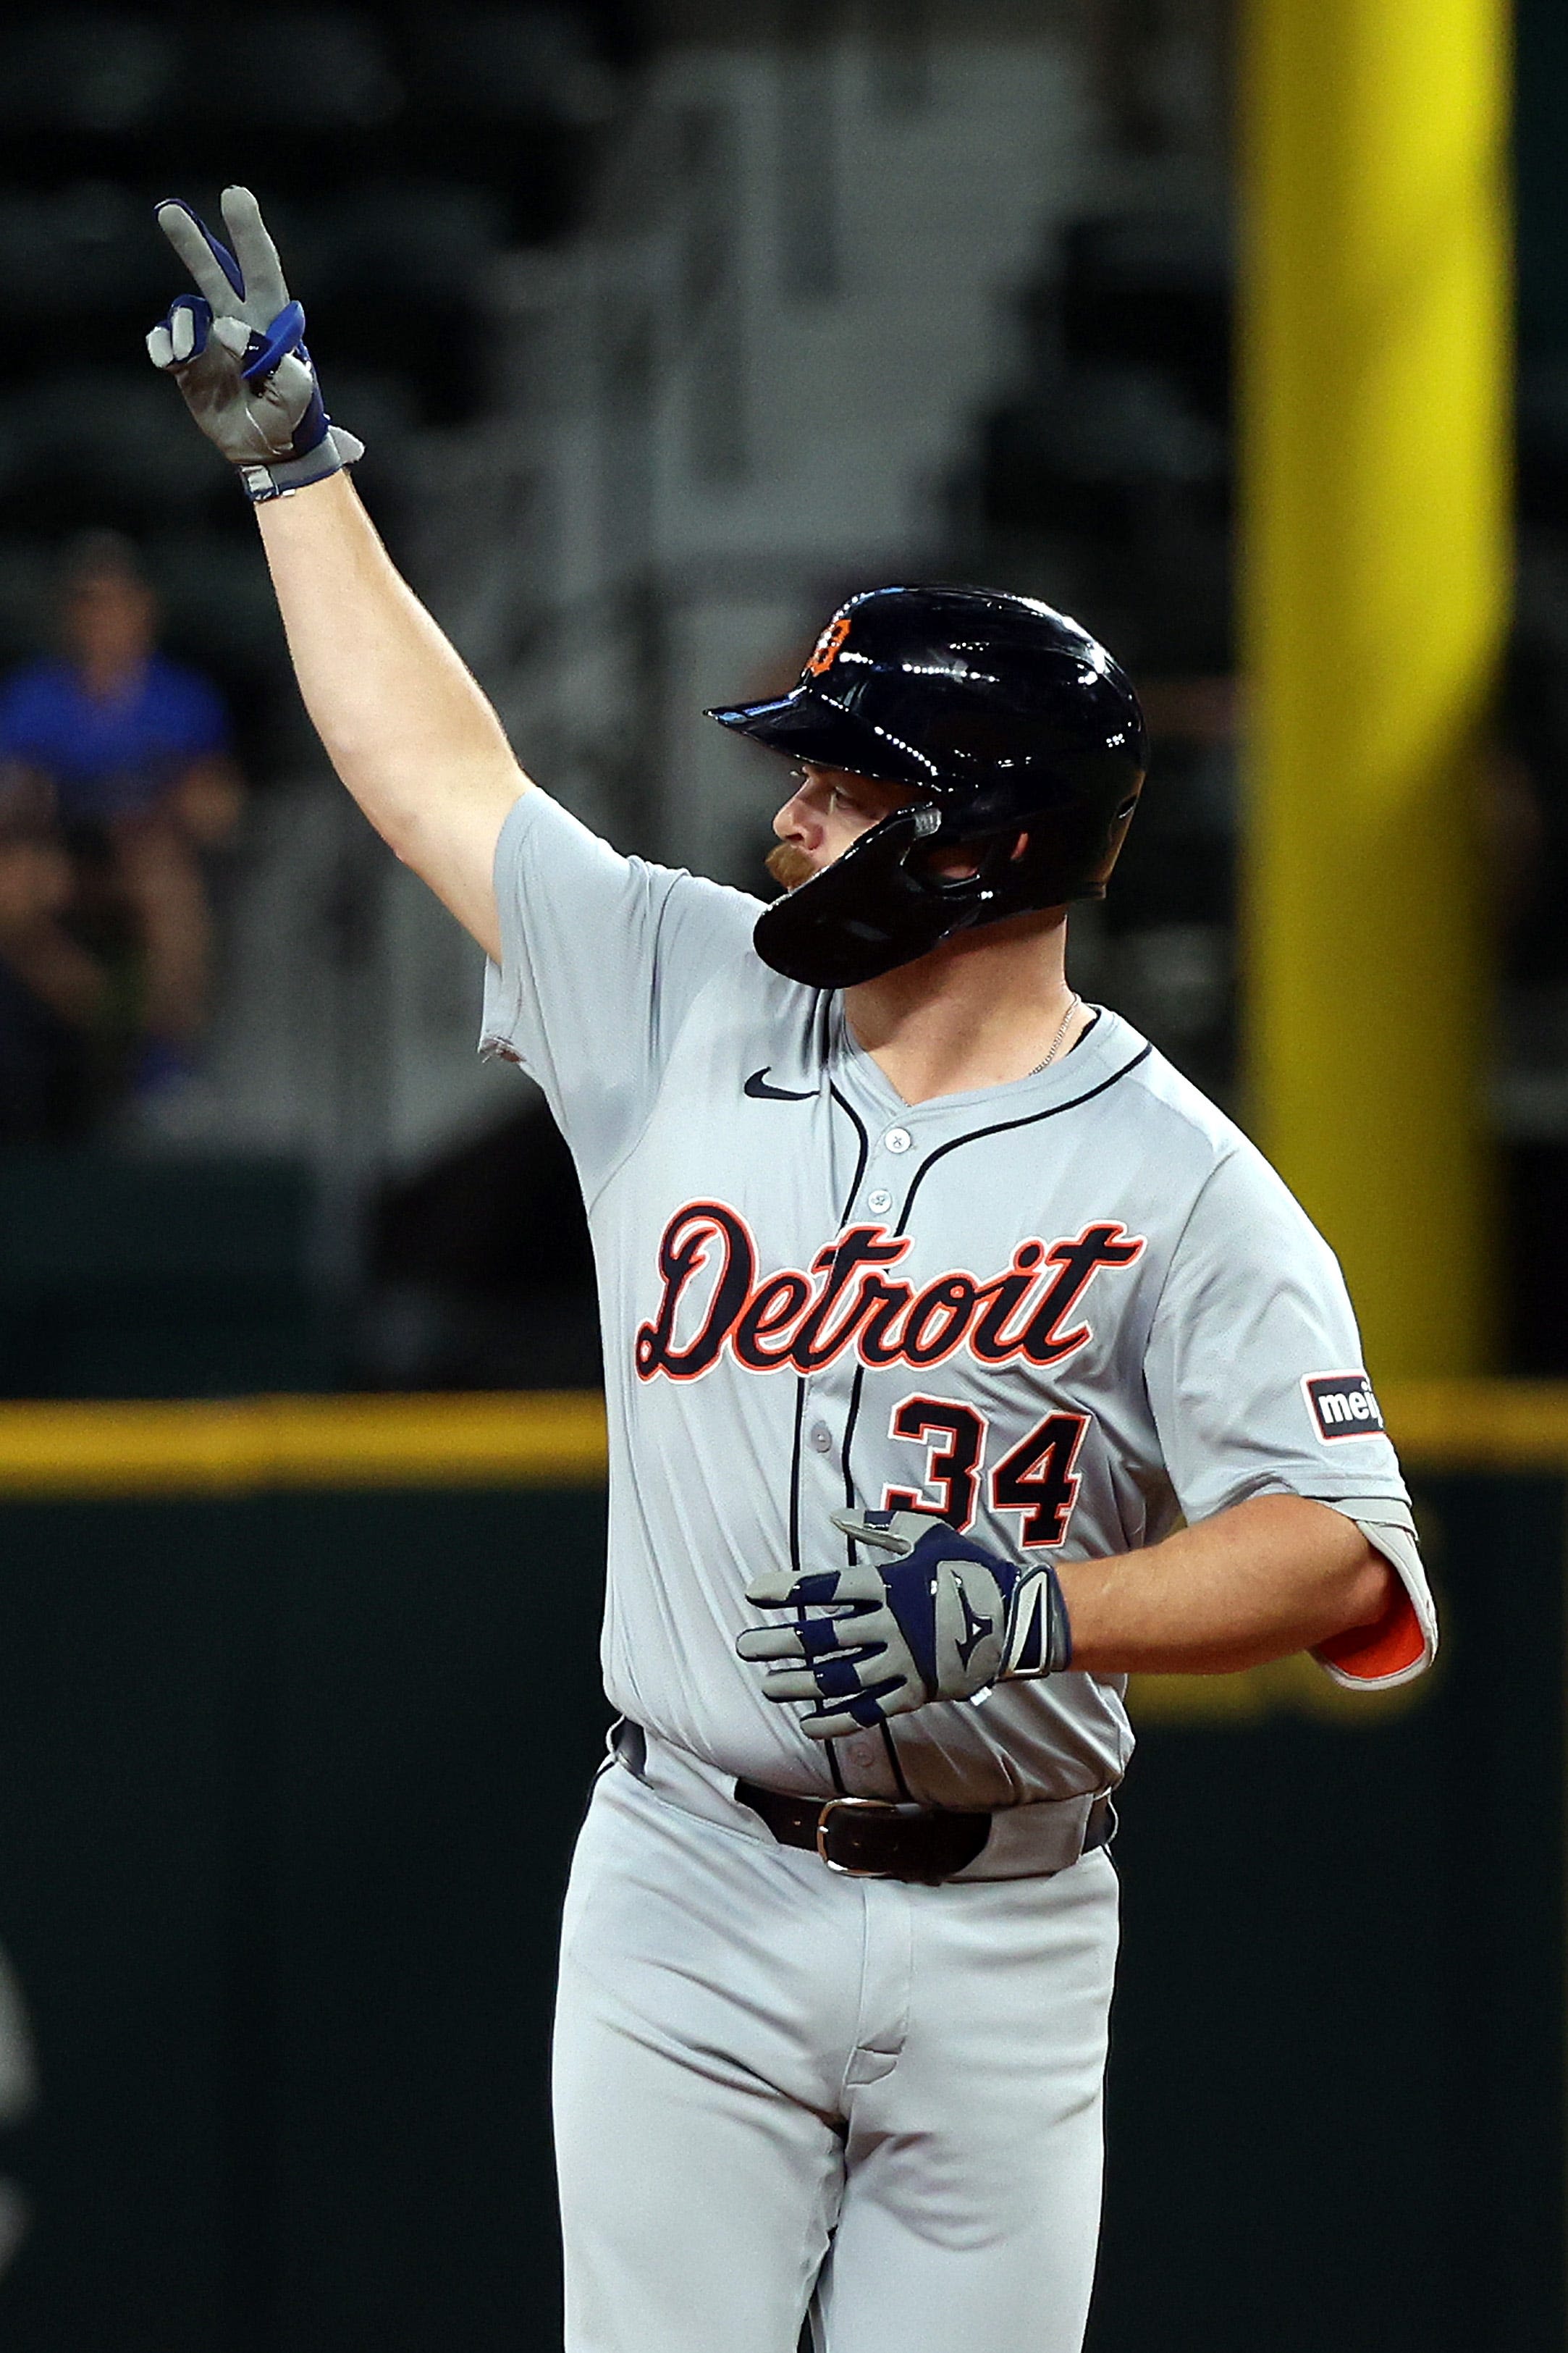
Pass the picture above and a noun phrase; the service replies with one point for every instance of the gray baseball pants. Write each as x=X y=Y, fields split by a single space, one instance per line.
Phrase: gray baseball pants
x=779 y=2089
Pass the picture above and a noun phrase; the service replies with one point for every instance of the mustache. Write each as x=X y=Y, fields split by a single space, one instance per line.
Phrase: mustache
x=788 y=866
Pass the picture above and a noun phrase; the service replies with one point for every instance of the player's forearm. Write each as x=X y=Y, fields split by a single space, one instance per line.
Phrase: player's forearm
x=403 y=721
x=1270 y=1577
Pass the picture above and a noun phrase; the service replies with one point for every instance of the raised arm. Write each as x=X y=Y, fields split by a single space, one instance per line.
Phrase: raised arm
x=404 y=723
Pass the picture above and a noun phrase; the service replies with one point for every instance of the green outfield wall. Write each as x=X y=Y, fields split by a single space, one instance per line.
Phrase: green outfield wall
x=285 y=1801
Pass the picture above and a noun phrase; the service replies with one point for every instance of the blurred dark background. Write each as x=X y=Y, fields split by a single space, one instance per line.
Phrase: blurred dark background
x=666 y=325
x=576 y=274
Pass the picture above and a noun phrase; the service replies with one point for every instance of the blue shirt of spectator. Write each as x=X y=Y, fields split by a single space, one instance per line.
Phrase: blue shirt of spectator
x=111 y=755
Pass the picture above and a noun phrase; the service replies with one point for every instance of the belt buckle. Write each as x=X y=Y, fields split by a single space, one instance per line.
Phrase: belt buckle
x=824 y=1826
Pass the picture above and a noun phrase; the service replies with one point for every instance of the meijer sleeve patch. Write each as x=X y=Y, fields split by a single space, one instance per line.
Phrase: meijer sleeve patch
x=1341 y=1405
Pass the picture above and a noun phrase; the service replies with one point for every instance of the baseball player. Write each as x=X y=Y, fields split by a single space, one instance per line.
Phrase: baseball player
x=934 y=1302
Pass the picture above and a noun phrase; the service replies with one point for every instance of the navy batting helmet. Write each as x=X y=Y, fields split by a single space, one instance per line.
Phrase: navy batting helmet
x=1001 y=717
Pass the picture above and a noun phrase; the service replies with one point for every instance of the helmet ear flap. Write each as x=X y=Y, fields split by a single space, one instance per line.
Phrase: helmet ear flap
x=870 y=909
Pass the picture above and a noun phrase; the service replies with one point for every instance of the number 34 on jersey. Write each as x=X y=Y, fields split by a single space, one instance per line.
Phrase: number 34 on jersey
x=1035 y=1478
x=716 y=1305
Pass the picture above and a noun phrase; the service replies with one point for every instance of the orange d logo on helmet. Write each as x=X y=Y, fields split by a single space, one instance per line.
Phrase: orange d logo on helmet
x=827 y=645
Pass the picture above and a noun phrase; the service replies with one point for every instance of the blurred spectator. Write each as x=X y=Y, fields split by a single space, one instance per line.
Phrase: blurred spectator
x=117 y=776
x=54 y=995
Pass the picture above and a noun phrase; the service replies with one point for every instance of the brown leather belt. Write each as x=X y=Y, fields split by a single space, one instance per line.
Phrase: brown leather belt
x=870 y=1838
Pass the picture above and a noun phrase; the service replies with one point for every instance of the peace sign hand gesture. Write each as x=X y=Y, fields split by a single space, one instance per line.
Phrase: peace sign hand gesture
x=237 y=350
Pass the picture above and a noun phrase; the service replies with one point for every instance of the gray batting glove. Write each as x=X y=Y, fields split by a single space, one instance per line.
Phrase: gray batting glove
x=937 y=1618
x=237 y=350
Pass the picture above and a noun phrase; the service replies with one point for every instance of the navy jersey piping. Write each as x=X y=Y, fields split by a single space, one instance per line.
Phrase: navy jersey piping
x=888 y=1743
x=860 y=1127
x=862 y=1152
x=1004 y=1126
x=795 y=1542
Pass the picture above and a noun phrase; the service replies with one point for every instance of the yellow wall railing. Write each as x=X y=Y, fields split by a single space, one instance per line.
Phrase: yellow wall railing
x=556 y=1438
x=533 y=1438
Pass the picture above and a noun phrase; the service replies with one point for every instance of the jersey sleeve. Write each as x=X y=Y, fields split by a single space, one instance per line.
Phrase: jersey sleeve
x=602 y=958
x=1256 y=1386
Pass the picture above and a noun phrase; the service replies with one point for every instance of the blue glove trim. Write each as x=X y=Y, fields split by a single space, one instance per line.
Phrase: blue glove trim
x=1039 y=1633
x=868 y=1709
x=911 y=1592
x=201 y=312
x=285 y=333
x=312 y=430
x=821 y=1586
x=837 y=1678
x=821 y=1637
x=261 y=483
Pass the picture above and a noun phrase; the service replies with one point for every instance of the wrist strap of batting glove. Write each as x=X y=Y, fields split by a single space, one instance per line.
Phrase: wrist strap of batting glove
x=1039 y=1632
x=332 y=453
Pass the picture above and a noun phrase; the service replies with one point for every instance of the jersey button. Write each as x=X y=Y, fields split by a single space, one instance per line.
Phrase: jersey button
x=821 y=1438
x=898 y=1139
x=879 y=1200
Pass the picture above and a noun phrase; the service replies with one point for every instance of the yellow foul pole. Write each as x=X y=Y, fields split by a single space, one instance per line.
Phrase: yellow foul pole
x=1374 y=360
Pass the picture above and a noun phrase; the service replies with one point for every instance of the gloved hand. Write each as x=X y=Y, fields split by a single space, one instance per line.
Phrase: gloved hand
x=938 y=1618
x=236 y=351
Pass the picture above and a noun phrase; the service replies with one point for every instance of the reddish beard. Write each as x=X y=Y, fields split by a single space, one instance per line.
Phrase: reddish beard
x=789 y=865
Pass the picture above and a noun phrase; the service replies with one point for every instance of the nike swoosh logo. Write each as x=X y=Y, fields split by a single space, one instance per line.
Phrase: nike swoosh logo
x=757 y=1087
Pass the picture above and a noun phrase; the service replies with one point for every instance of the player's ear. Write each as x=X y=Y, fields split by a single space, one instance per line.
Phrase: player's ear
x=1019 y=846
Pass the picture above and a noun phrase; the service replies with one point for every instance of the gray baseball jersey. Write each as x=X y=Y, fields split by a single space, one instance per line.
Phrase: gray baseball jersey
x=1062 y=1314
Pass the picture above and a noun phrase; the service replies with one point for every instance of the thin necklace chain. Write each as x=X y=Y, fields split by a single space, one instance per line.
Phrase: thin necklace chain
x=1057 y=1040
